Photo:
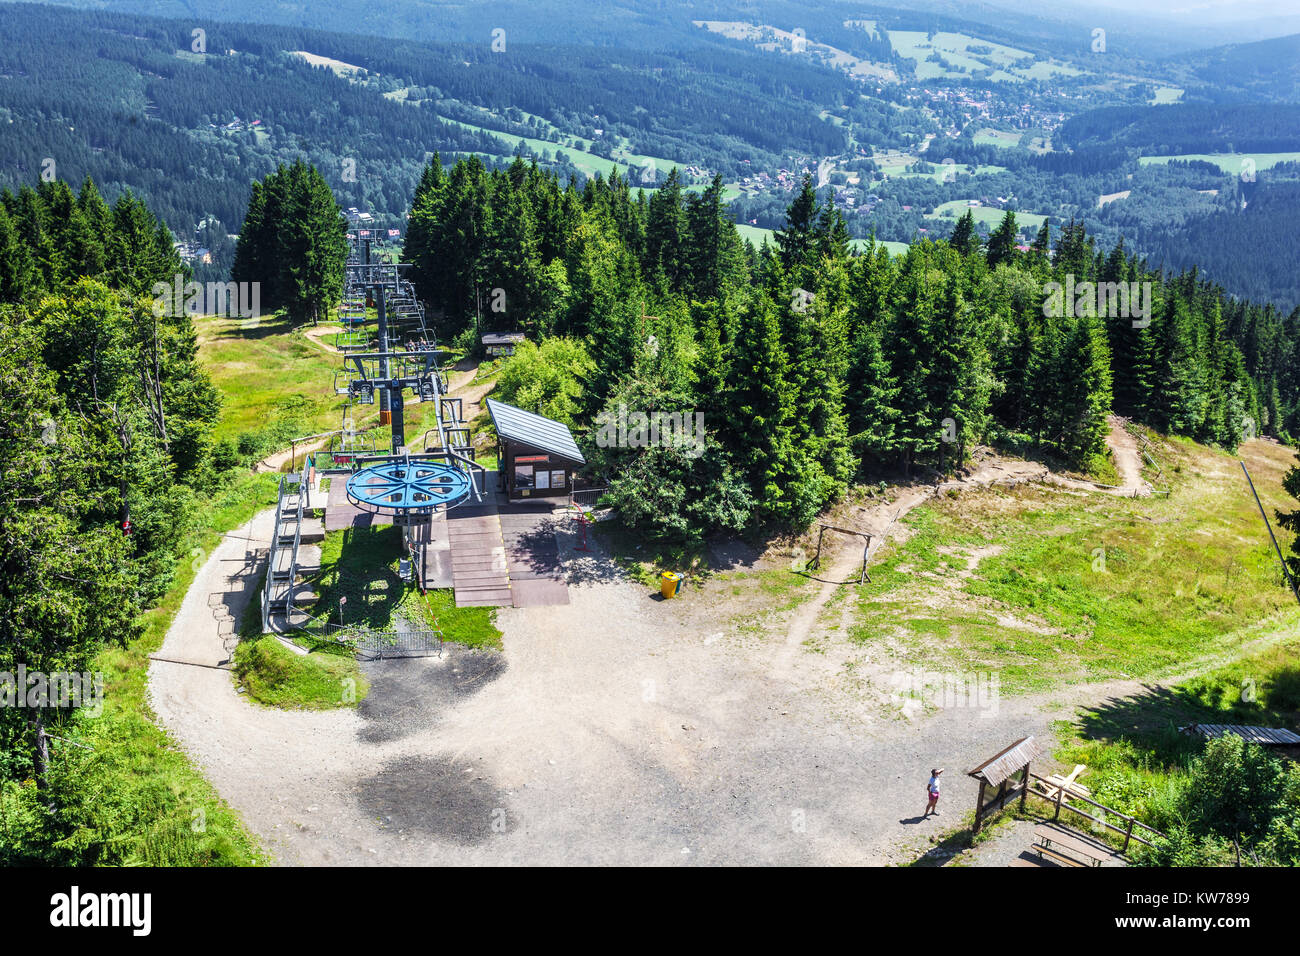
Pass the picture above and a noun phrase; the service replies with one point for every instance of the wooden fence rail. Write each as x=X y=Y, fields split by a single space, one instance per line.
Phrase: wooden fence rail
x=1127 y=829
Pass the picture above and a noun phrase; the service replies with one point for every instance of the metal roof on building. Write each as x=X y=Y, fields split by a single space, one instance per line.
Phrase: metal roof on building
x=551 y=436
x=502 y=338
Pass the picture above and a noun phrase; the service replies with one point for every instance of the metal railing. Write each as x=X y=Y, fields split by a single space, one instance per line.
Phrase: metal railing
x=379 y=645
x=585 y=497
x=376 y=645
x=295 y=487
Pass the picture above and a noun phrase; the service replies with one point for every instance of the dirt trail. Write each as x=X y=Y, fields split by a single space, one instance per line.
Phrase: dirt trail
x=317 y=333
x=472 y=395
x=1128 y=461
x=842 y=561
x=277 y=461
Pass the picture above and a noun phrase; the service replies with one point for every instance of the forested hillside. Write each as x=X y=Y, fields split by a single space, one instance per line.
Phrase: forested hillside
x=1239 y=247
x=1186 y=128
x=187 y=121
x=110 y=472
x=1268 y=68
x=890 y=363
x=188 y=131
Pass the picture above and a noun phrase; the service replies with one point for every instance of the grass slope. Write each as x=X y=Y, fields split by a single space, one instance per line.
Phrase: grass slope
x=1137 y=759
x=274 y=675
x=1048 y=586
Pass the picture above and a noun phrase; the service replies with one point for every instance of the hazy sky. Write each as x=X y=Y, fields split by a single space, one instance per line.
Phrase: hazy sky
x=1203 y=9
x=1187 y=23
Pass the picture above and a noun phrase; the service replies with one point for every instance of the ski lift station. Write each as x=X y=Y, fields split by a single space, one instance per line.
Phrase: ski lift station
x=538 y=456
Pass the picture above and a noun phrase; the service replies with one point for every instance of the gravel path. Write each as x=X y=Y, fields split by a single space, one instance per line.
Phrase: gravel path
x=617 y=729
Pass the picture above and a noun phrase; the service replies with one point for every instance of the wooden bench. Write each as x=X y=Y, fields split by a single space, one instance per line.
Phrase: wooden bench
x=1044 y=851
x=1053 y=841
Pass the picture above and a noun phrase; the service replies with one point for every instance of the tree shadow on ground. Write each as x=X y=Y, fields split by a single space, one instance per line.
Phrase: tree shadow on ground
x=1152 y=717
x=258 y=327
x=363 y=574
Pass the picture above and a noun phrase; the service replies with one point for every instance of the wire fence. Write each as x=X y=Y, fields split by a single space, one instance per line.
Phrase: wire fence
x=370 y=644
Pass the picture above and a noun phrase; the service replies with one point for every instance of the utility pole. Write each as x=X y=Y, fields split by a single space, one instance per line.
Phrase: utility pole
x=385 y=402
x=1286 y=570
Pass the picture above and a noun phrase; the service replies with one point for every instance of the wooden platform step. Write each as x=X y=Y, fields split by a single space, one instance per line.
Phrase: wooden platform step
x=478 y=557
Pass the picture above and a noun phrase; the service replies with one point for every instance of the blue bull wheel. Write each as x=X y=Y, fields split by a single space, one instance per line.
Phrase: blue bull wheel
x=413 y=487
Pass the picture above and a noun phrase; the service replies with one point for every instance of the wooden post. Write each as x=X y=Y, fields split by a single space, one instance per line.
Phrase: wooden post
x=42 y=753
x=979 y=808
x=1060 y=792
x=1024 y=790
x=1128 y=835
x=866 y=552
x=817 y=558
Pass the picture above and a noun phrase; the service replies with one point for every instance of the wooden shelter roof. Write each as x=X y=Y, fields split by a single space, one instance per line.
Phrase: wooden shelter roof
x=1002 y=765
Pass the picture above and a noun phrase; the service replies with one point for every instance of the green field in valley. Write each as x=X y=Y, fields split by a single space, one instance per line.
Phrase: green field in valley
x=1228 y=162
x=986 y=214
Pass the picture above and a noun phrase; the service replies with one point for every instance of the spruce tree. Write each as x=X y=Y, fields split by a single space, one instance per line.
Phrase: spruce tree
x=255 y=247
x=965 y=239
x=816 y=344
x=96 y=224
x=797 y=242
x=1084 y=393
x=760 y=406
x=958 y=383
x=31 y=222
x=667 y=236
x=1002 y=243
x=143 y=253
x=1042 y=243
x=715 y=252
x=833 y=241
x=17 y=270
x=1290 y=520
x=909 y=348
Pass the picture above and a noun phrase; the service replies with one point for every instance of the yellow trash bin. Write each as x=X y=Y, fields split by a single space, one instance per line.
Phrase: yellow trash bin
x=668 y=583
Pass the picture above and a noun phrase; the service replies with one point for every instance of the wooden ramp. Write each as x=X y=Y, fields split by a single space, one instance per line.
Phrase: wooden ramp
x=341 y=513
x=1264 y=736
x=432 y=543
x=533 y=558
x=478 y=557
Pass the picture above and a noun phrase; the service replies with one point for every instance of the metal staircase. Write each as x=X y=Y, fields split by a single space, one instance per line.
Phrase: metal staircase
x=286 y=539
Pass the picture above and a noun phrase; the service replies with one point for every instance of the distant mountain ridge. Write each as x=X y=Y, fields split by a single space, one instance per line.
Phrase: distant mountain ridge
x=1267 y=68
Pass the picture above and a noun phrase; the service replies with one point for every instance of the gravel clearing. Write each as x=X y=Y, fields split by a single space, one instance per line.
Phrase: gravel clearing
x=617 y=729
